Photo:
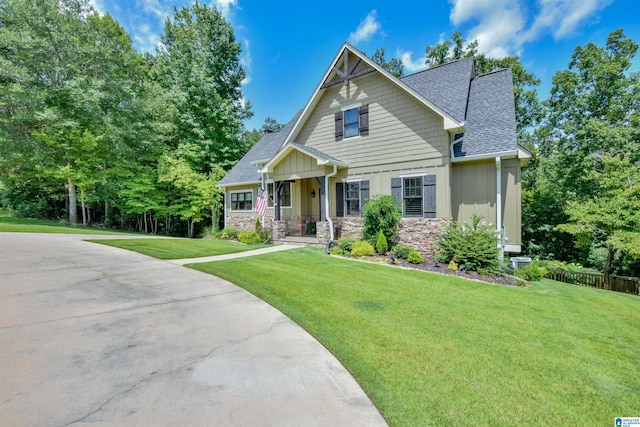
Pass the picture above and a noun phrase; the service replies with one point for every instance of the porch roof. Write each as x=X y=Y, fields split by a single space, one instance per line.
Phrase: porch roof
x=320 y=157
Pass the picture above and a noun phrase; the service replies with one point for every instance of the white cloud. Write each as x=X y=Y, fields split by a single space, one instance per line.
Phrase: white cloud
x=145 y=39
x=155 y=7
x=224 y=6
x=98 y=6
x=246 y=61
x=411 y=66
x=504 y=26
x=367 y=28
x=562 y=19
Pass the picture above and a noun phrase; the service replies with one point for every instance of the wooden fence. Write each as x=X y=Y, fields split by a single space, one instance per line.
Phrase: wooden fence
x=630 y=285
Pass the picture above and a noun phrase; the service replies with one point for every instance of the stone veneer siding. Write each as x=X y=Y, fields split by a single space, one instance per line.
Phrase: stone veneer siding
x=421 y=233
x=418 y=233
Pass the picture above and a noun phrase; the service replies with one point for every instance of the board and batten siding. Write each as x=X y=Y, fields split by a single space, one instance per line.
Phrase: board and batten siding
x=400 y=128
x=297 y=165
x=474 y=192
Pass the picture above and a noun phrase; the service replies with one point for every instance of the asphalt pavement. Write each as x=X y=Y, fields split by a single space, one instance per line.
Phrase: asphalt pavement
x=91 y=334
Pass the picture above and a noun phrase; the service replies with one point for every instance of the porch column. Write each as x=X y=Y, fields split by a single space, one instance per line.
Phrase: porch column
x=320 y=182
x=277 y=185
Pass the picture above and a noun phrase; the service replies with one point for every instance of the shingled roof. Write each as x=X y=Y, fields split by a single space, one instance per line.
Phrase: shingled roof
x=447 y=86
x=246 y=170
x=491 y=121
x=485 y=104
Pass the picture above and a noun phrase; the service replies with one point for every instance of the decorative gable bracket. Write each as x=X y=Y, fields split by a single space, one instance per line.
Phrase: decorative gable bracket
x=347 y=73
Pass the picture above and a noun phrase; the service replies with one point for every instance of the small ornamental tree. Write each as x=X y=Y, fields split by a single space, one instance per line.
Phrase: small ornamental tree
x=381 y=213
x=472 y=246
x=381 y=244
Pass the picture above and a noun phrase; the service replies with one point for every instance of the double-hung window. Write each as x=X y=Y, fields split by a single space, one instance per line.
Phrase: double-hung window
x=412 y=196
x=416 y=195
x=352 y=198
x=352 y=121
x=242 y=201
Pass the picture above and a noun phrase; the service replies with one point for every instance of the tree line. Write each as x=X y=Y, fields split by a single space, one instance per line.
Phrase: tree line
x=91 y=128
x=92 y=131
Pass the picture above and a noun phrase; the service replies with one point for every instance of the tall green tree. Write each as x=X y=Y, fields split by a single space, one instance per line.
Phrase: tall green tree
x=610 y=216
x=198 y=64
x=394 y=66
x=68 y=79
x=593 y=115
x=594 y=108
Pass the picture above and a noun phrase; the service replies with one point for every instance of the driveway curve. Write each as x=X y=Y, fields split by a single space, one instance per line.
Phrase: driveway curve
x=91 y=334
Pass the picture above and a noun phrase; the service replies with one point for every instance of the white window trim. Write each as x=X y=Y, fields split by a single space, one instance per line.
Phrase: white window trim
x=241 y=210
x=412 y=175
x=415 y=175
x=351 y=107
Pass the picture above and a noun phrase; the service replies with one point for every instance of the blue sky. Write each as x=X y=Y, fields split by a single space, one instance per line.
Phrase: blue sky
x=288 y=45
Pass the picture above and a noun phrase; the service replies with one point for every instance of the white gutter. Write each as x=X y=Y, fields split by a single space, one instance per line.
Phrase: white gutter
x=326 y=201
x=499 y=206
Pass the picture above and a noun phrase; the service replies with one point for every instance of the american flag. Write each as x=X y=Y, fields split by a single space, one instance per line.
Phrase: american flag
x=261 y=202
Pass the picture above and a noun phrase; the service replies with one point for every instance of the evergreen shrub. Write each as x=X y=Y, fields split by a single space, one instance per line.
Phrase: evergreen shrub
x=362 y=248
x=415 y=257
x=401 y=251
x=381 y=244
x=381 y=213
x=473 y=245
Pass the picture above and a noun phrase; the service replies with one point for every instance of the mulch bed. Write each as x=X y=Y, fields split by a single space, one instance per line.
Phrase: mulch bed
x=434 y=267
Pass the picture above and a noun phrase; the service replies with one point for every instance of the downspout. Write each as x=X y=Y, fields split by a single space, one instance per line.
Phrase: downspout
x=326 y=204
x=499 y=207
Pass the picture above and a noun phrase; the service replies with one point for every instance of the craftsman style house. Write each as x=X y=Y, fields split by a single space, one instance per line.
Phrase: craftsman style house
x=441 y=141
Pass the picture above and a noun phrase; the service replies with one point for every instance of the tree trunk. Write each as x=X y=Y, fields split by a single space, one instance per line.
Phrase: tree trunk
x=607 y=267
x=73 y=204
x=144 y=216
x=84 y=209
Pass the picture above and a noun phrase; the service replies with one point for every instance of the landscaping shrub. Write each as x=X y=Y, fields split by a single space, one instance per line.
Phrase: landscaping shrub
x=250 y=237
x=401 y=251
x=381 y=244
x=472 y=245
x=530 y=272
x=362 y=248
x=381 y=213
x=345 y=243
x=227 y=233
x=415 y=257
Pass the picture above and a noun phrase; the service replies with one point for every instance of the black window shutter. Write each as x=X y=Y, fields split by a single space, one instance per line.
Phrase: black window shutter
x=339 y=199
x=396 y=190
x=339 y=119
x=364 y=120
x=429 y=196
x=364 y=194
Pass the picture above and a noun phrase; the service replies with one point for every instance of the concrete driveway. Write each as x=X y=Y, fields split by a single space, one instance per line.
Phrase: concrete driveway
x=91 y=334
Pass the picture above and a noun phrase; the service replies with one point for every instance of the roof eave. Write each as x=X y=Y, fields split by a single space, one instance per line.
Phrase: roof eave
x=486 y=156
x=235 y=184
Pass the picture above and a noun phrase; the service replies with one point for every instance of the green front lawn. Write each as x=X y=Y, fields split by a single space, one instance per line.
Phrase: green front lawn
x=177 y=248
x=438 y=350
x=25 y=225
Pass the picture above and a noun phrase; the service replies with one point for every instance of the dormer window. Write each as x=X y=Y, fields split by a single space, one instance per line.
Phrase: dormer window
x=352 y=121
